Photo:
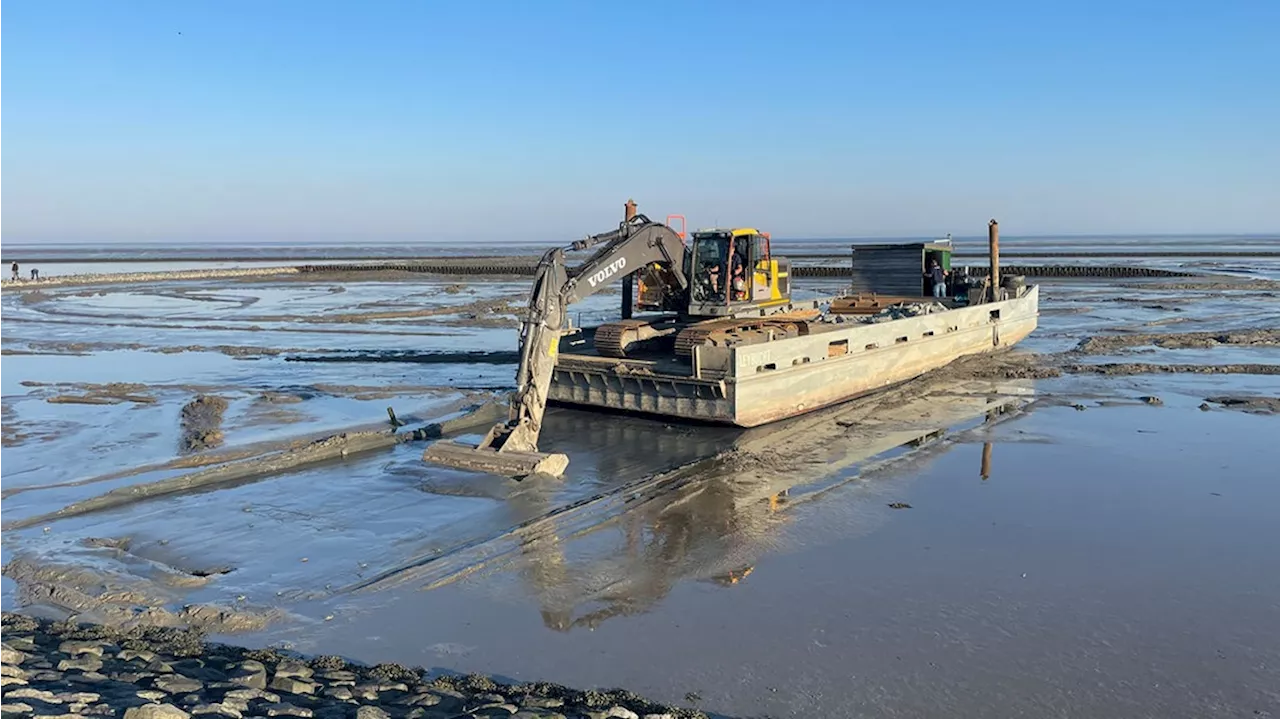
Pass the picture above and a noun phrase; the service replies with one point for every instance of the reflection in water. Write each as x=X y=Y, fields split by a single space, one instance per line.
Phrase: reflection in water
x=711 y=527
x=986 y=461
x=705 y=529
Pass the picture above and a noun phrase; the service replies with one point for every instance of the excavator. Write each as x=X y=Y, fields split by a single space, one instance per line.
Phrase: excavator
x=725 y=284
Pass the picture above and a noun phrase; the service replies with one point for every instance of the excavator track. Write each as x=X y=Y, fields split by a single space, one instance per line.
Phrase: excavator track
x=612 y=338
x=615 y=338
x=741 y=331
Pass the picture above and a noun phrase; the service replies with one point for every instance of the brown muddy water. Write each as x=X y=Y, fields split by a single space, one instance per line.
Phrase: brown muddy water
x=1003 y=538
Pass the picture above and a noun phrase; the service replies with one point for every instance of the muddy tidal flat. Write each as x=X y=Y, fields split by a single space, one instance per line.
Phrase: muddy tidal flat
x=204 y=472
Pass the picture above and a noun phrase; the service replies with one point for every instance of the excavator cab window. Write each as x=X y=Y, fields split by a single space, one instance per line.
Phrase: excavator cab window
x=710 y=270
x=762 y=269
x=761 y=253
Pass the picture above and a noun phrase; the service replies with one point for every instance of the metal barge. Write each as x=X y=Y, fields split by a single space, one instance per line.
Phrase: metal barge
x=755 y=384
x=840 y=357
x=725 y=341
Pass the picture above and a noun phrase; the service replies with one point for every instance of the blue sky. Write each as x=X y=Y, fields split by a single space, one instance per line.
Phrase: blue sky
x=382 y=121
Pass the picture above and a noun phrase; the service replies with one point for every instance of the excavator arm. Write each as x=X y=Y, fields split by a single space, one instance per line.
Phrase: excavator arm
x=511 y=448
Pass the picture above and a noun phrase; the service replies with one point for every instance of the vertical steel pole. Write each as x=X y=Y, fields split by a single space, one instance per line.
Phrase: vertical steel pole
x=628 y=282
x=993 y=248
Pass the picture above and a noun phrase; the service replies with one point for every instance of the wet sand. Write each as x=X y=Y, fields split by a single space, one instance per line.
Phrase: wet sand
x=1123 y=569
x=866 y=559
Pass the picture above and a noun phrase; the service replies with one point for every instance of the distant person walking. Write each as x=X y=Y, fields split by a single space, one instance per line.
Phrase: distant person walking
x=939 y=277
x=14 y=267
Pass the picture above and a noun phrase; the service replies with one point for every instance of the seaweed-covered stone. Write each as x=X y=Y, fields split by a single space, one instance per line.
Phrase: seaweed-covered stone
x=9 y=655
x=155 y=711
x=425 y=699
x=250 y=693
x=141 y=655
x=79 y=697
x=341 y=693
x=31 y=693
x=90 y=677
x=371 y=712
x=218 y=709
x=615 y=712
x=76 y=647
x=84 y=663
x=288 y=710
x=291 y=668
x=178 y=684
x=328 y=662
x=21 y=643
x=249 y=673
x=541 y=702
x=292 y=685
x=388 y=672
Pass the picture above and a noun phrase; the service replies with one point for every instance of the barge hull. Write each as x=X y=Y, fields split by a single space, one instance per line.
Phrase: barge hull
x=752 y=385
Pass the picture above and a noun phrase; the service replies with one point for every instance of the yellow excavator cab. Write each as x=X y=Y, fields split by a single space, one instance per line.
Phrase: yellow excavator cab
x=735 y=268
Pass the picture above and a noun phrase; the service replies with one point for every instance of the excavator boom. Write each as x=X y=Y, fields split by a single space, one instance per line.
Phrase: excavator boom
x=511 y=448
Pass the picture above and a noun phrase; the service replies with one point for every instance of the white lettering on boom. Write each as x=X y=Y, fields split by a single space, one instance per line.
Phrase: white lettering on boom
x=608 y=271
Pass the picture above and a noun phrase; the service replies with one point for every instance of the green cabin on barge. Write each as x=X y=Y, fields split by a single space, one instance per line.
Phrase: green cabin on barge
x=897 y=269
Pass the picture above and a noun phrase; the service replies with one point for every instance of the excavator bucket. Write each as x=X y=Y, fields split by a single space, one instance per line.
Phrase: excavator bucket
x=516 y=465
x=492 y=457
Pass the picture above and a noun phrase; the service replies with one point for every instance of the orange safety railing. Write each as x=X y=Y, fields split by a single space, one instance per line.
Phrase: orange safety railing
x=679 y=232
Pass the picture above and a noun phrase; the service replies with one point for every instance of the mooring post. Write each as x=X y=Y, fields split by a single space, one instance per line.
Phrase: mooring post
x=628 y=282
x=993 y=249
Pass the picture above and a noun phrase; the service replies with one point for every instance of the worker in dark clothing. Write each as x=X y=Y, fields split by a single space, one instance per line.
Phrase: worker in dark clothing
x=738 y=273
x=739 y=281
x=14 y=268
x=713 y=278
x=939 y=278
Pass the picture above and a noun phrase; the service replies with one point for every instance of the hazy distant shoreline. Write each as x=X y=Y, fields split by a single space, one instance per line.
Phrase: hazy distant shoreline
x=306 y=257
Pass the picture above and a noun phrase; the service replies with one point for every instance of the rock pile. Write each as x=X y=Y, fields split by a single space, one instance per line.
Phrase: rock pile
x=893 y=312
x=53 y=669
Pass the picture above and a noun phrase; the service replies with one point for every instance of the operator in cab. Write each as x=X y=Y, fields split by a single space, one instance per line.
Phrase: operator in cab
x=738 y=273
x=713 y=278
